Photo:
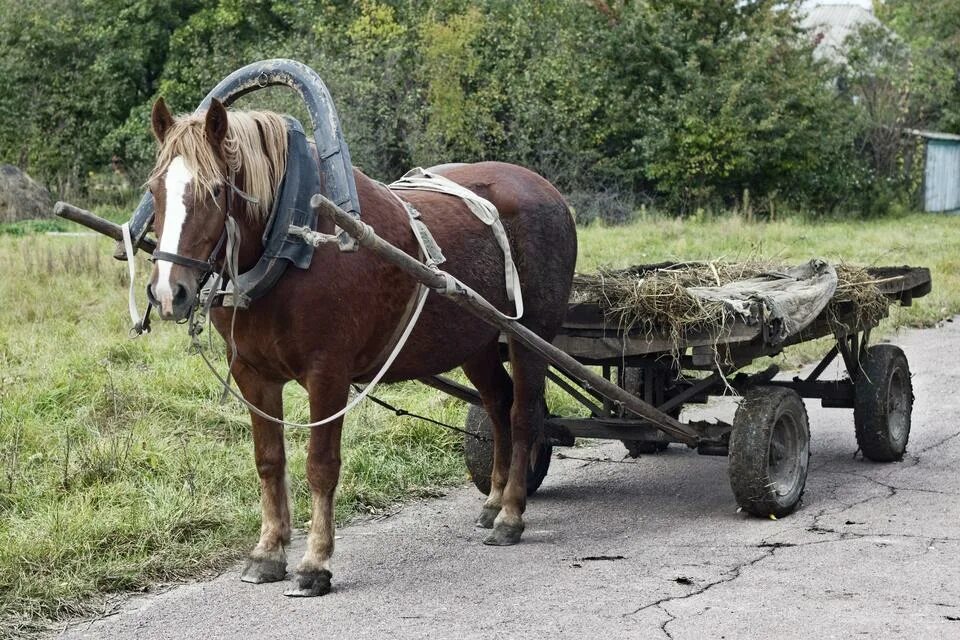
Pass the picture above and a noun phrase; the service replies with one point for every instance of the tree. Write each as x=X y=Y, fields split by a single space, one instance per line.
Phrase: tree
x=71 y=71
x=931 y=29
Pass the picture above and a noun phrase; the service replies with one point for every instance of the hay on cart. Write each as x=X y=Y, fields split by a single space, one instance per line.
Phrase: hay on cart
x=657 y=299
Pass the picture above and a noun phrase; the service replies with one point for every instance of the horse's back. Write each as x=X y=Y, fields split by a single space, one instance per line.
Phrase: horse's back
x=538 y=222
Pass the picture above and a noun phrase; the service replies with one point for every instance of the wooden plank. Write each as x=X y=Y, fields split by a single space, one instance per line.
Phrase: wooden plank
x=608 y=344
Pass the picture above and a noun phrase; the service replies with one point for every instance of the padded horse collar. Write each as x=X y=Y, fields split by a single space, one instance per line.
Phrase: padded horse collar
x=291 y=206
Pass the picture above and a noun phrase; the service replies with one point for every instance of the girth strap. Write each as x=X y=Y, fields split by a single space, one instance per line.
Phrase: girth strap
x=421 y=180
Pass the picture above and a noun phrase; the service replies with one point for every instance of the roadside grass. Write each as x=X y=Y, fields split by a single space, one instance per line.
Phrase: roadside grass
x=119 y=467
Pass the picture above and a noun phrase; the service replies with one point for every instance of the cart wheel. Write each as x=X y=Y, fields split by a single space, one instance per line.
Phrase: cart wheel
x=769 y=451
x=883 y=403
x=478 y=453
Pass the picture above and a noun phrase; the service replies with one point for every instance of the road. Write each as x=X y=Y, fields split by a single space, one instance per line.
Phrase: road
x=647 y=548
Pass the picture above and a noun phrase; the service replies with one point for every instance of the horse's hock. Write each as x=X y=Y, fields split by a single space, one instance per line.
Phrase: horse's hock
x=21 y=198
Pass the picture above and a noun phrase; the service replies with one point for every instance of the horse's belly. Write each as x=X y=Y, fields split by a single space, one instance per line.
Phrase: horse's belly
x=444 y=338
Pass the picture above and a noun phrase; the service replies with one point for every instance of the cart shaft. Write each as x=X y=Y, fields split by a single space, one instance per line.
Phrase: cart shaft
x=92 y=221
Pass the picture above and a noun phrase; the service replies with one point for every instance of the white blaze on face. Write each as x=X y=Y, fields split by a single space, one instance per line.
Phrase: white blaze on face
x=175 y=216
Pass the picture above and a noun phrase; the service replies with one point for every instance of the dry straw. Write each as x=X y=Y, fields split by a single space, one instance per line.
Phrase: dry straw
x=654 y=300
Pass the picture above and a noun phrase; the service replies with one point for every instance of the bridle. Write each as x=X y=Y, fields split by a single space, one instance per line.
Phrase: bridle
x=229 y=238
x=205 y=267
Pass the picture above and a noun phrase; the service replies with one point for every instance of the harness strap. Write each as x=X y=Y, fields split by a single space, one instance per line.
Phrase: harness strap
x=420 y=180
x=204 y=266
x=132 y=271
x=356 y=400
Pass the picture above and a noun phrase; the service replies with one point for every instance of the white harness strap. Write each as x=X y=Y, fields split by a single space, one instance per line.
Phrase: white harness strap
x=420 y=179
x=132 y=270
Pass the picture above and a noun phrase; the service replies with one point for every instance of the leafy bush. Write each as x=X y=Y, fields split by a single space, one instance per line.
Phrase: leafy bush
x=693 y=103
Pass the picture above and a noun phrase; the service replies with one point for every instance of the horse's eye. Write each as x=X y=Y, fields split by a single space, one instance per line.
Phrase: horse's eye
x=216 y=191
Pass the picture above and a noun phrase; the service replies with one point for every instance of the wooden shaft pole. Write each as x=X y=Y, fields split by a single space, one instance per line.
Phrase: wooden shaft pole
x=92 y=221
x=437 y=280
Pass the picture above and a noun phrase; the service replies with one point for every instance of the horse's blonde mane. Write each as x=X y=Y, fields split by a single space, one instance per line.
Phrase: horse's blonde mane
x=256 y=141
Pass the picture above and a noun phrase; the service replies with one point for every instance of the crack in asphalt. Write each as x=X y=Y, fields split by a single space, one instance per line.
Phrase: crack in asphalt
x=729 y=576
x=770 y=550
x=842 y=536
x=939 y=443
x=914 y=458
x=670 y=618
x=893 y=487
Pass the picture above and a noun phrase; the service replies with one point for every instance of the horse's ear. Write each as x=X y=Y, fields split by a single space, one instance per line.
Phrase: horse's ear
x=161 y=119
x=216 y=124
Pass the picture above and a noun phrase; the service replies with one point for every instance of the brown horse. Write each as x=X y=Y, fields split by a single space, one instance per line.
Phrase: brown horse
x=327 y=326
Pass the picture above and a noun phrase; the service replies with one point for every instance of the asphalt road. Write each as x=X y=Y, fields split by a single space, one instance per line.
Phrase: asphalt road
x=645 y=548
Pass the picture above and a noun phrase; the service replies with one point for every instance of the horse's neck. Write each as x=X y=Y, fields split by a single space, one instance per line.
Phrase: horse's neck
x=251 y=241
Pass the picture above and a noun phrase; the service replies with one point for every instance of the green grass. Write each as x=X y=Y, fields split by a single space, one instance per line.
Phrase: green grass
x=119 y=467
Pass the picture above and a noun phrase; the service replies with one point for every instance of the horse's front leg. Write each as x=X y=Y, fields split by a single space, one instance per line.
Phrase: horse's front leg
x=268 y=561
x=327 y=396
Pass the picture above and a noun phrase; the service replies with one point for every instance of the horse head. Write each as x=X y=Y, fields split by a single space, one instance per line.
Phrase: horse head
x=210 y=167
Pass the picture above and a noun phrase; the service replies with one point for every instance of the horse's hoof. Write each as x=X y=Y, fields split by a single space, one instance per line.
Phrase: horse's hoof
x=487 y=516
x=260 y=571
x=310 y=585
x=504 y=535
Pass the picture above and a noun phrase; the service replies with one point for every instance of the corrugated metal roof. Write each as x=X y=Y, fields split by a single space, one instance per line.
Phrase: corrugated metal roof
x=832 y=23
x=934 y=135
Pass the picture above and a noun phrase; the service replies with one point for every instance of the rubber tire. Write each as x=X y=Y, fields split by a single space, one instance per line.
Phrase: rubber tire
x=749 y=454
x=872 y=394
x=478 y=454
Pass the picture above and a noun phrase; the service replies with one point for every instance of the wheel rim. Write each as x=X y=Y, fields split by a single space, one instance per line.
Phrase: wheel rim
x=898 y=406
x=786 y=460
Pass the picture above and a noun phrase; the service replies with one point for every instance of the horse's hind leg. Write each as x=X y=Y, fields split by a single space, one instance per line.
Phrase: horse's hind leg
x=526 y=416
x=268 y=561
x=487 y=374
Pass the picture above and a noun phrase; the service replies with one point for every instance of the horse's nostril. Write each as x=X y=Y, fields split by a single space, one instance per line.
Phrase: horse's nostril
x=179 y=294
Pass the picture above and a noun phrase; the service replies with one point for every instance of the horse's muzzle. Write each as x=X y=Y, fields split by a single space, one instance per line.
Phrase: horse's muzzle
x=175 y=305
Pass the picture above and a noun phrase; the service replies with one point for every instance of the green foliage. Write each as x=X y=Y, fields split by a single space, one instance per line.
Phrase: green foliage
x=931 y=31
x=693 y=104
x=726 y=98
x=72 y=71
x=903 y=74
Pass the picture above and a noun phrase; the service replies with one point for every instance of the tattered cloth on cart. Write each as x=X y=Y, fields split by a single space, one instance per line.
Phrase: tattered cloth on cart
x=787 y=301
x=677 y=299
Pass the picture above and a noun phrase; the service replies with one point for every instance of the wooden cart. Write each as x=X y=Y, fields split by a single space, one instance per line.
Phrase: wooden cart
x=768 y=443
